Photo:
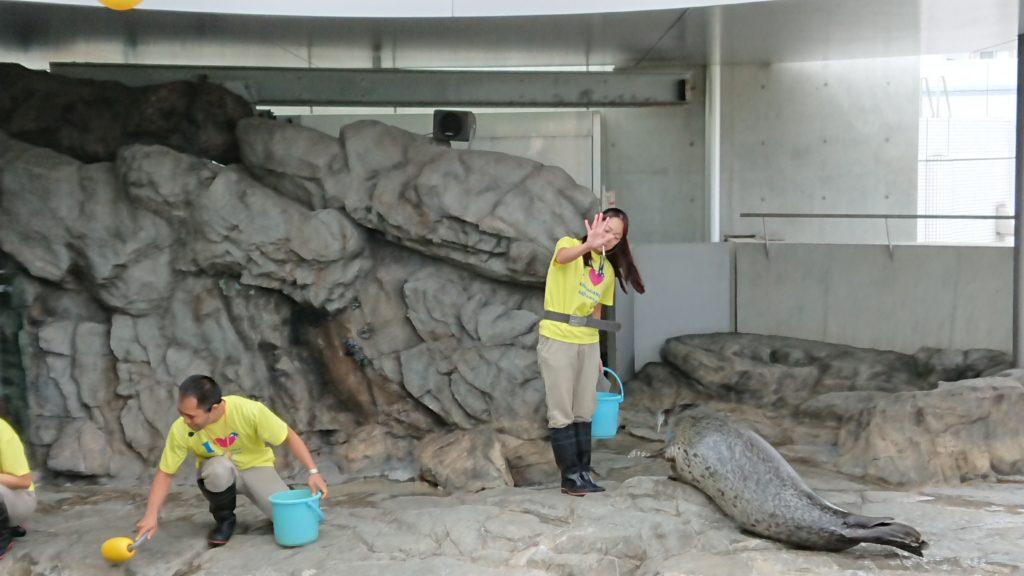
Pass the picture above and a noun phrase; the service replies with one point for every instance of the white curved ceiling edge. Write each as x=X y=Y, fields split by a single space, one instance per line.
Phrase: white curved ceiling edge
x=410 y=8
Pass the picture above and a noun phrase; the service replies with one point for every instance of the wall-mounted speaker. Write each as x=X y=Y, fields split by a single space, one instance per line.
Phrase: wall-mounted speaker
x=454 y=125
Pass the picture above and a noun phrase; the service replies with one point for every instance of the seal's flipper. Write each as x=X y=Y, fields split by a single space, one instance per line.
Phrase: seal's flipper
x=858 y=521
x=894 y=534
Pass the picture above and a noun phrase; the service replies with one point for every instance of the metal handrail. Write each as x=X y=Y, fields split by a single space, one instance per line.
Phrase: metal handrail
x=765 y=215
x=892 y=216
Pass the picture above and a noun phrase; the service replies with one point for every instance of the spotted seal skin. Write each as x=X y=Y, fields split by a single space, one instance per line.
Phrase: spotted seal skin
x=755 y=486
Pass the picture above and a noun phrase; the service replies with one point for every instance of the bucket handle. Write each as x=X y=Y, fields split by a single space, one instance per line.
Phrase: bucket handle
x=622 y=389
x=315 y=505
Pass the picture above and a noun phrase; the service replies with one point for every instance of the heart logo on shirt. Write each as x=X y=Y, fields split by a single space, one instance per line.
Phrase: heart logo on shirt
x=595 y=277
x=225 y=442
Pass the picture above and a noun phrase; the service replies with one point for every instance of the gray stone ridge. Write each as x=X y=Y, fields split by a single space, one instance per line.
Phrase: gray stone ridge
x=936 y=416
x=90 y=120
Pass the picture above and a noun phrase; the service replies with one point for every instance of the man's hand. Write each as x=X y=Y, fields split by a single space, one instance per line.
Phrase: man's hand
x=299 y=449
x=147 y=524
x=157 y=496
x=317 y=484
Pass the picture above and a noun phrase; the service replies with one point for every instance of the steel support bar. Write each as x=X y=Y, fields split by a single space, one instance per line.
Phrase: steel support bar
x=1018 y=226
x=377 y=87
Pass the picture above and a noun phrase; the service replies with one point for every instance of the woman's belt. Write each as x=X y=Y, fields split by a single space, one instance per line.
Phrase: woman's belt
x=580 y=321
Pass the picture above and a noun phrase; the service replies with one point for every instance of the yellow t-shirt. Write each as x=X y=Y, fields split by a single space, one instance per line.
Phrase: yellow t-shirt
x=12 y=453
x=242 y=435
x=573 y=288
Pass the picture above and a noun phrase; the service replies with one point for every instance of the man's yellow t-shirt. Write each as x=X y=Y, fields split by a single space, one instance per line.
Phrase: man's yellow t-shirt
x=574 y=288
x=12 y=453
x=242 y=435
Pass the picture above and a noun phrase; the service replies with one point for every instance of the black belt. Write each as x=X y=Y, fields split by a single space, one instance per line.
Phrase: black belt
x=580 y=321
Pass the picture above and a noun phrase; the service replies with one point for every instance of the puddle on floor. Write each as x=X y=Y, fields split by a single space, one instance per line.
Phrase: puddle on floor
x=971 y=504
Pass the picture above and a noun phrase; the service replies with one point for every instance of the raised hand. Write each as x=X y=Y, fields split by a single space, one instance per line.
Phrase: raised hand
x=597 y=236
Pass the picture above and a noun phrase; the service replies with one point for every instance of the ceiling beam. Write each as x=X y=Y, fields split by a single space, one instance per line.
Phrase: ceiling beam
x=389 y=87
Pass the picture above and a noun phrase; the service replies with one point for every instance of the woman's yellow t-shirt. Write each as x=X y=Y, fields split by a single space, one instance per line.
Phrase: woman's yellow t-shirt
x=574 y=288
x=242 y=435
x=12 y=453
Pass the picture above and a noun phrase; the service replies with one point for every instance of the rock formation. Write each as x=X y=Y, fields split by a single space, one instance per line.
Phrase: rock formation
x=380 y=292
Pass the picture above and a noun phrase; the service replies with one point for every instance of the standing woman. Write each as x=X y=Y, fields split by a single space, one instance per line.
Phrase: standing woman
x=17 y=493
x=580 y=282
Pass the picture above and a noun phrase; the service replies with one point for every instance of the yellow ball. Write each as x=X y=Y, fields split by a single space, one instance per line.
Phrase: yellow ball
x=117 y=549
x=120 y=4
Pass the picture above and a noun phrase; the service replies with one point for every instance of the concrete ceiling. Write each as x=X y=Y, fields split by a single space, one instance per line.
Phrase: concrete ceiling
x=407 y=8
x=760 y=32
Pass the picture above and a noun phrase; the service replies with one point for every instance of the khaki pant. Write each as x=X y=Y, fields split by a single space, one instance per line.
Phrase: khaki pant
x=20 y=504
x=218 y=473
x=570 y=373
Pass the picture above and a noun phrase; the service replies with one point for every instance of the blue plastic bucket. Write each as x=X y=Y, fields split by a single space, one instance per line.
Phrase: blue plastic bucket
x=606 y=418
x=297 y=517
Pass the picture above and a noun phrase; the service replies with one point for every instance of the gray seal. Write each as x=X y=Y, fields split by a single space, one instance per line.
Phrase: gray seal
x=754 y=485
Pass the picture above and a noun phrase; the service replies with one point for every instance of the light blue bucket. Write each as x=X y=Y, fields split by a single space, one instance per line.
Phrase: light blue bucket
x=297 y=517
x=606 y=418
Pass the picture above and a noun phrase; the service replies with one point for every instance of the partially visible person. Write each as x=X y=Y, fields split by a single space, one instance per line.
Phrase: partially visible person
x=17 y=492
x=229 y=436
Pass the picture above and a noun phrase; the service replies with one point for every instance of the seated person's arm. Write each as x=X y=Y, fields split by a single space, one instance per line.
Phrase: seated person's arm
x=16 y=482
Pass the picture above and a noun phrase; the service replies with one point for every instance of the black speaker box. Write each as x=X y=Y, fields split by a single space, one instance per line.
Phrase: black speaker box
x=454 y=125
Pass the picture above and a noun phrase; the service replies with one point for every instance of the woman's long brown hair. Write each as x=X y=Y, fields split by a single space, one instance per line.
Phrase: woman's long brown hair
x=621 y=257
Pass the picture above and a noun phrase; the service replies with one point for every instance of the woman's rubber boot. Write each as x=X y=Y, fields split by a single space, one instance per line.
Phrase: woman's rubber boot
x=6 y=532
x=563 y=443
x=583 y=448
x=222 y=507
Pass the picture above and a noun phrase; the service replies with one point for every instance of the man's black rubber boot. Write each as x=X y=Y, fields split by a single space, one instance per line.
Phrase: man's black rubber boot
x=222 y=506
x=6 y=531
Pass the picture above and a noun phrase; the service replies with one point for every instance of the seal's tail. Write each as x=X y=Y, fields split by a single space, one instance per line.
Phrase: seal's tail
x=882 y=531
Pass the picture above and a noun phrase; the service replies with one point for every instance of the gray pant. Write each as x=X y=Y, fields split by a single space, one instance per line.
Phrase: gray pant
x=218 y=473
x=20 y=503
x=570 y=373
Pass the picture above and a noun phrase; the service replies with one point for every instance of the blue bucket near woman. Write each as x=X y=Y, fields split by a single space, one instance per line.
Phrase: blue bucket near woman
x=606 y=418
x=297 y=517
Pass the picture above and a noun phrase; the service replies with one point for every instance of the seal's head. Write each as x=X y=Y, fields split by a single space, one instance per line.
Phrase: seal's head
x=666 y=414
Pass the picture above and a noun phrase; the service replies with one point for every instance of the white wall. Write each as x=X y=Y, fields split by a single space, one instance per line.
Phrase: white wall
x=955 y=297
x=942 y=296
x=688 y=292
x=837 y=136
x=653 y=159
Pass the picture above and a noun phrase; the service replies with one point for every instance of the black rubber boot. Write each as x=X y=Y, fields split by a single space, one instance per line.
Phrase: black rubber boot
x=583 y=448
x=6 y=531
x=563 y=444
x=222 y=506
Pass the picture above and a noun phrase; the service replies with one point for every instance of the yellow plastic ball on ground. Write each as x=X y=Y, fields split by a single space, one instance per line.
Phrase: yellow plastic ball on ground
x=118 y=549
x=120 y=4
